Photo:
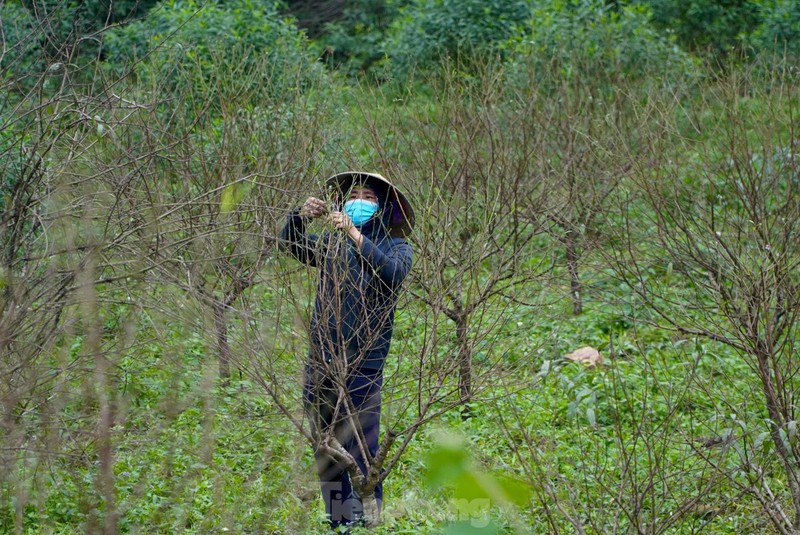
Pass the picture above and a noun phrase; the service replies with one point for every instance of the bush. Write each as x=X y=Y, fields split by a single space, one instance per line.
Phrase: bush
x=22 y=62
x=714 y=26
x=433 y=30
x=355 y=43
x=780 y=31
x=185 y=35
x=591 y=40
x=40 y=33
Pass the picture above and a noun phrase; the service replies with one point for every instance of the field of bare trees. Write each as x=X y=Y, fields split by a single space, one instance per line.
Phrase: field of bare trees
x=571 y=191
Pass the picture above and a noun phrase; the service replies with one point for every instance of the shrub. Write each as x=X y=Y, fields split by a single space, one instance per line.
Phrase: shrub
x=779 y=32
x=40 y=33
x=433 y=30
x=21 y=64
x=589 y=39
x=356 y=42
x=713 y=26
x=194 y=35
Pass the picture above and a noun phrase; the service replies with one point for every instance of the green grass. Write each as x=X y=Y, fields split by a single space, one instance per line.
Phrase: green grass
x=192 y=456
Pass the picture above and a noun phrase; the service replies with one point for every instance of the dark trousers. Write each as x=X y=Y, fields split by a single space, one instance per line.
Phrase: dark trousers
x=329 y=414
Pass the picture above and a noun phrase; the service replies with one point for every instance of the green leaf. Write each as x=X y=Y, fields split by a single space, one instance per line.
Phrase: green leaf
x=227 y=202
x=232 y=195
x=447 y=462
x=450 y=465
x=517 y=491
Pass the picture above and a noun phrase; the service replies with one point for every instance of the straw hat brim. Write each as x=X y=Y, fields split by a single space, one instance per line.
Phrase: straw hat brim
x=402 y=213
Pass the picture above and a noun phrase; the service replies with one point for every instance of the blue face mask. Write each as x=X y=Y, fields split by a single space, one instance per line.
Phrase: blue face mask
x=360 y=210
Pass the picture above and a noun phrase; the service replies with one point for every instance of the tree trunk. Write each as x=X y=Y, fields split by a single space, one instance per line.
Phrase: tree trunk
x=372 y=513
x=572 y=267
x=464 y=365
x=363 y=484
x=777 y=418
x=106 y=456
x=221 y=325
x=93 y=346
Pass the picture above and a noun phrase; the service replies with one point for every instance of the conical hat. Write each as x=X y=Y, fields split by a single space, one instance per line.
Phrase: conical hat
x=402 y=214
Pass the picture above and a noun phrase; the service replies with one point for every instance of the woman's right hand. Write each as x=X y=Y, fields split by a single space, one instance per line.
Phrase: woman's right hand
x=313 y=208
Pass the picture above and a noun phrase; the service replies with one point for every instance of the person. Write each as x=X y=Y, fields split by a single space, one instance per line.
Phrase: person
x=363 y=261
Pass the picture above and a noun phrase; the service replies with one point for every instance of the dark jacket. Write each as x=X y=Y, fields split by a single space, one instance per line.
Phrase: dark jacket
x=357 y=291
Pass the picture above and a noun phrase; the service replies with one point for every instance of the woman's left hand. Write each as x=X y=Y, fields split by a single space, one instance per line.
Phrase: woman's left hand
x=343 y=222
x=340 y=220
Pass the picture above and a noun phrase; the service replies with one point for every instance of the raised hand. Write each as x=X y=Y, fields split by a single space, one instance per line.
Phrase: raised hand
x=340 y=220
x=313 y=208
